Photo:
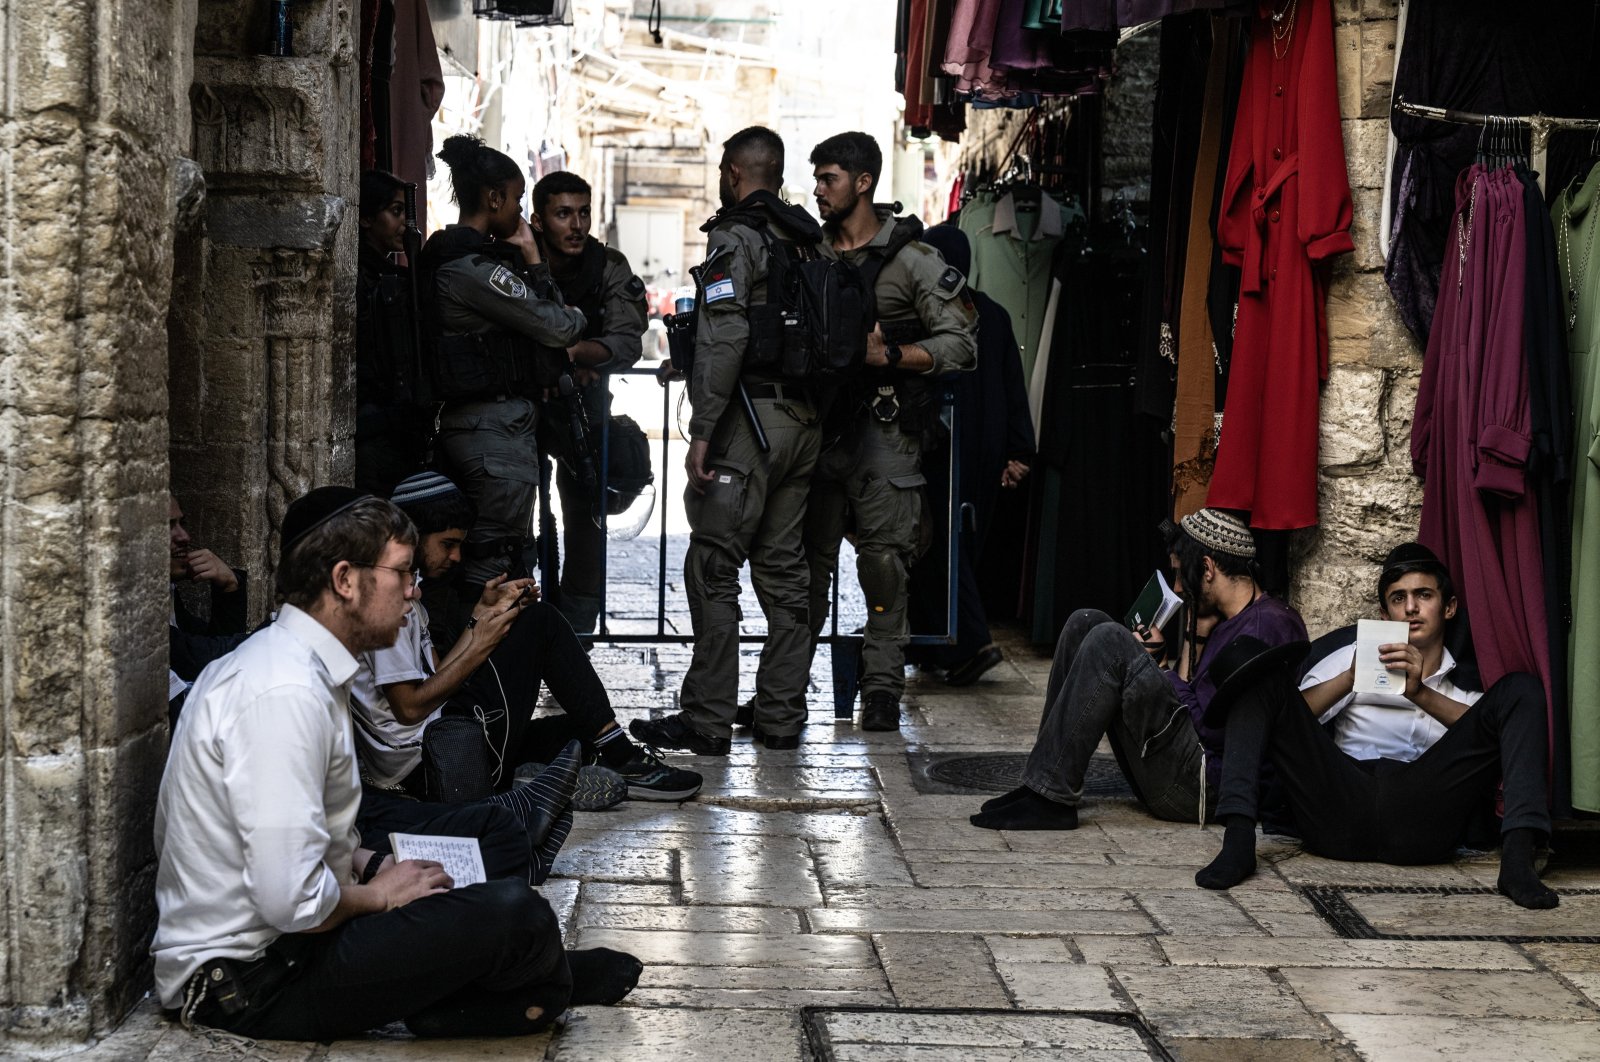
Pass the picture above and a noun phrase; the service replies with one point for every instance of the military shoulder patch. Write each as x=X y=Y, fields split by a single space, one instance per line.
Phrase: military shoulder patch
x=634 y=288
x=719 y=287
x=950 y=280
x=508 y=283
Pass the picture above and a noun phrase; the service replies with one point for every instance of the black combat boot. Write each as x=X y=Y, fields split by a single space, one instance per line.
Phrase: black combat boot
x=881 y=711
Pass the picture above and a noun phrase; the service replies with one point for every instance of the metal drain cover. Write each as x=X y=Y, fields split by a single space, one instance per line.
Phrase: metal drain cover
x=1000 y=772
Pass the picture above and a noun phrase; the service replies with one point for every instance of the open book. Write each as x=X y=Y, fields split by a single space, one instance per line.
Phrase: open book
x=461 y=857
x=1155 y=605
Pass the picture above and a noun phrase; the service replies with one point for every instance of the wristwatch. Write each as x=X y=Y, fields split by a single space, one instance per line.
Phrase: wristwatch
x=893 y=354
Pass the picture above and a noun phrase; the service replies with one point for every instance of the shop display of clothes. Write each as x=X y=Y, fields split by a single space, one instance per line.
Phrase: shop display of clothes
x=1471 y=56
x=1576 y=221
x=402 y=86
x=1014 y=235
x=1286 y=210
x=1470 y=438
x=1121 y=14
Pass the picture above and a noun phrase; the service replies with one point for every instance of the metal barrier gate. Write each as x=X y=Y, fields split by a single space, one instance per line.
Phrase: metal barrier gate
x=845 y=649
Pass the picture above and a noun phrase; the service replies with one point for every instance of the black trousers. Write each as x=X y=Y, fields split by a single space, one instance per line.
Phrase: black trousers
x=470 y=962
x=540 y=648
x=1388 y=811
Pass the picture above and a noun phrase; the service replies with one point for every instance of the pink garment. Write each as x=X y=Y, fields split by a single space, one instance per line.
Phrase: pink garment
x=1470 y=437
x=416 y=89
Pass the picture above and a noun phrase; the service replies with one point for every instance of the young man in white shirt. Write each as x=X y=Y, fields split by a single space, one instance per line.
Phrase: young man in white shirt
x=274 y=921
x=1380 y=777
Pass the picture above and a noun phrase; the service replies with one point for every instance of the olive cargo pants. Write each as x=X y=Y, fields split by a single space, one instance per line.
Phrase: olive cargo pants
x=875 y=473
x=488 y=449
x=753 y=510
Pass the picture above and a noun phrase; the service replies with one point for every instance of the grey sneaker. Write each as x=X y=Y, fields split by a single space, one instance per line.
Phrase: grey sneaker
x=599 y=787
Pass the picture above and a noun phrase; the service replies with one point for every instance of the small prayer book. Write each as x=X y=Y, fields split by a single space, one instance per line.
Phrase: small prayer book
x=1155 y=605
x=461 y=857
x=1371 y=675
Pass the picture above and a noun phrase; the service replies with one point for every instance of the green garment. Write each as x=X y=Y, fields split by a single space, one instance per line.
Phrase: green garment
x=1013 y=248
x=1575 y=223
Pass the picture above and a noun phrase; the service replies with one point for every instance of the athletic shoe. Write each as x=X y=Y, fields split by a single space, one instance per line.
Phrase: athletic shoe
x=676 y=732
x=599 y=787
x=881 y=711
x=647 y=778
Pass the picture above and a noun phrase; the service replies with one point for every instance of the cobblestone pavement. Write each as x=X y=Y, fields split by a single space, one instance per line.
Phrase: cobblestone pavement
x=826 y=878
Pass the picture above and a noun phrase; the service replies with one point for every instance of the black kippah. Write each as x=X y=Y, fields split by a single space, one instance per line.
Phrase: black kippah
x=310 y=512
x=1411 y=556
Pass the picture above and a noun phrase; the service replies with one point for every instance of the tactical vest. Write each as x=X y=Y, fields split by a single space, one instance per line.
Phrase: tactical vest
x=488 y=365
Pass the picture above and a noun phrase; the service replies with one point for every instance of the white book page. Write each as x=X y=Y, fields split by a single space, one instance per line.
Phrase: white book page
x=460 y=856
x=1371 y=676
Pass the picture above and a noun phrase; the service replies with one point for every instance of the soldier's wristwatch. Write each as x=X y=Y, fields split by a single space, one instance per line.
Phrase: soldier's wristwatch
x=893 y=354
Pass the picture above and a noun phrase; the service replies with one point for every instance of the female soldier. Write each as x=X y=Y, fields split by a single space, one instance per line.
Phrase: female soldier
x=500 y=335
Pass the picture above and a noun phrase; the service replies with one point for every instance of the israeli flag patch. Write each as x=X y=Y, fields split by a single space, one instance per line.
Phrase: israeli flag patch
x=718 y=290
x=507 y=283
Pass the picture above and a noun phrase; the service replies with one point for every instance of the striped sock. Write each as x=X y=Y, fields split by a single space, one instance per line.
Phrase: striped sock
x=544 y=857
x=542 y=804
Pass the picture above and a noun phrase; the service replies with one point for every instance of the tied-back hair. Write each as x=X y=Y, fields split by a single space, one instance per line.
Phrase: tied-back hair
x=854 y=153
x=475 y=167
x=561 y=182
x=1192 y=555
x=359 y=535
x=442 y=513
x=378 y=189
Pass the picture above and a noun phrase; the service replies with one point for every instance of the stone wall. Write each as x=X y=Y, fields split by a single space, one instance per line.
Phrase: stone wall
x=94 y=116
x=263 y=371
x=1369 y=499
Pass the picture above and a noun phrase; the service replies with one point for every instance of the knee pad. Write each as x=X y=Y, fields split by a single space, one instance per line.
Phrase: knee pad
x=882 y=576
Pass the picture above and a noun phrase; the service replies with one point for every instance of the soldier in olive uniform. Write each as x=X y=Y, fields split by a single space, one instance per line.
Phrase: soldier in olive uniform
x=872 y=476
x=599 y=281
x=500 y=334
x=742 y=503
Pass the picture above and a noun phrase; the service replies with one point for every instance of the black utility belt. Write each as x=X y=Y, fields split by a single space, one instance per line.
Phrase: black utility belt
x=779 y=392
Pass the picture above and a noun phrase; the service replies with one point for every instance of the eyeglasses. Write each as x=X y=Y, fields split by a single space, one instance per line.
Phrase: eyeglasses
x=408 y=576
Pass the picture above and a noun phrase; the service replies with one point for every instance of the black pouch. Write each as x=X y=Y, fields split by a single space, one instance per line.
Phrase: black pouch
x=468 y=369
x=455 y=757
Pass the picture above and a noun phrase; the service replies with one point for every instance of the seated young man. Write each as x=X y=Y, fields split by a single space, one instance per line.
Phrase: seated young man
x=1147 y=699
x=273 y=920
x=1393 y=779
x=499 y=653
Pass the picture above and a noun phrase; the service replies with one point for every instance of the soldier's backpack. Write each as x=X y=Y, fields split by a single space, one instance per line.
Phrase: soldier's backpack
x=813 y=327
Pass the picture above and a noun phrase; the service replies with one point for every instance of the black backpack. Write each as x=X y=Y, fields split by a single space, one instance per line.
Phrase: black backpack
x=813 y=326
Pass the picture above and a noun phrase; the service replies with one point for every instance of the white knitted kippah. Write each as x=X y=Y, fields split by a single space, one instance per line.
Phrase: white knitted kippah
x=421 y=487
x=1220 y=531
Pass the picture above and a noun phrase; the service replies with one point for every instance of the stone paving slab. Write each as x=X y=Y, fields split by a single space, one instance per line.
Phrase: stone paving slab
x=890 y=898
x=1219 y=1003
x=691 y=919
x=1197 y=950
x=1062 y=986
x=811 y=979
x=606 y=1034
x=1206 y=1049
x=1410 y=1038
x=1566 y=958
x=1028 y=949
x=671 y=947
x=932 y=970
x=980 y=920
x=1404 y=914
x=1055 y=1032
x=1464 y=993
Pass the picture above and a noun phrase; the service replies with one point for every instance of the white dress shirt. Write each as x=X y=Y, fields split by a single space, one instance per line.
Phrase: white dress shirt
x=1371 y=726
x=390 y=749
x=255 y=822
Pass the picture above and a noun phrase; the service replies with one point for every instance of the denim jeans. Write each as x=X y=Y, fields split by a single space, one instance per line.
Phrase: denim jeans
x=1103 y=683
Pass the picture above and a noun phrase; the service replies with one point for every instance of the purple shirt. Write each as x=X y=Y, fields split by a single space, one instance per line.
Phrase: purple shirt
x=1267 y=618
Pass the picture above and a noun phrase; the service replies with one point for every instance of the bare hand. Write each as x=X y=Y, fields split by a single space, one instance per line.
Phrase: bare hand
x=1403 y=656
x=877 y=349
x=1154 y=642
x=526 y=242
x=695 y=465
x=1013 y=474
x=667 y=373
x=583 y=377
x=205 y=567
x=502 y=590
x=401 y=883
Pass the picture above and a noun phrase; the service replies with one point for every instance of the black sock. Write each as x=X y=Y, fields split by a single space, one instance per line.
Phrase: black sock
x=1237 y=860
x=1518 y=878
x=614 y=748
x=601 y=975
x=542 y=859
x=1030 y=811
x=1008 y=798
x=540 y=804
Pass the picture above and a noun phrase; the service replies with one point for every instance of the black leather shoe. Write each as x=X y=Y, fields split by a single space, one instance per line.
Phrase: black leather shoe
x=880 y=712
x=676 y=732
x=745 y=715
x=972 y=669
x=778 y=742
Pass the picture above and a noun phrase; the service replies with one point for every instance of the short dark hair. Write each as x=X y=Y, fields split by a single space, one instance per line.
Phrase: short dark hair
x=358 y=534
x=1393 y=574
x=378 y=189
x=854 y=153
x=759 y=150
x=475 y=167
x=442 y=512
x=561 y=182
x=1192 y=554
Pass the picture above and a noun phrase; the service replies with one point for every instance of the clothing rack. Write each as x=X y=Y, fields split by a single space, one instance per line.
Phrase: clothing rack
x=1540 y=126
